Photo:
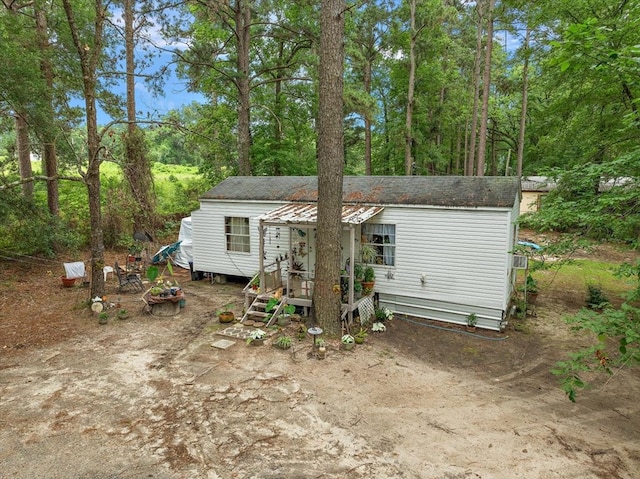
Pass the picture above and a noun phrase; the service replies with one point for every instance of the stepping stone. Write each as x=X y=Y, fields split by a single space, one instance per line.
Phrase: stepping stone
x=222 y=343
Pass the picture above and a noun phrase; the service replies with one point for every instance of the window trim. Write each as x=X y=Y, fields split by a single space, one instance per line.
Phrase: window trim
x=391 y=247
x=238 y=239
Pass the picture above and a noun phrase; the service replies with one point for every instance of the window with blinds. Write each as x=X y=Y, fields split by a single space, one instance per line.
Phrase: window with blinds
x=237 y=234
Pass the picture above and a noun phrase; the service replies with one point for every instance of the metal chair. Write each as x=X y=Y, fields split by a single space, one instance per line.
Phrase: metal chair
x=127 y=280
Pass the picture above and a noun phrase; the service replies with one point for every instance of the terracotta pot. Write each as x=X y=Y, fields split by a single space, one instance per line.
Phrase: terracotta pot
x=226 y=316
x=367 y=286
x=68 y=282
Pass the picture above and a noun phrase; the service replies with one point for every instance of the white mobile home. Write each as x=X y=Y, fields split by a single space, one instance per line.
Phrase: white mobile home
x=443 y=244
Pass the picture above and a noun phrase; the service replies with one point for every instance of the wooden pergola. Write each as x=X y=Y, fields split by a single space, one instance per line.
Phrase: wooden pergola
x=297 y=216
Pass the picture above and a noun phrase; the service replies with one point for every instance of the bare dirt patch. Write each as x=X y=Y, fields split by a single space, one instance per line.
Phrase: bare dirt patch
x=150 y=397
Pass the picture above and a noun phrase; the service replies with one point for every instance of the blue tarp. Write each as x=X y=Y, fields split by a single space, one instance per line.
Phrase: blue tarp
x=530 y=245
x=165 y=252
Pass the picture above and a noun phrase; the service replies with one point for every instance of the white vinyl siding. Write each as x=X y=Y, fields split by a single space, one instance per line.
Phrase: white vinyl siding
x=237 y=234
x=461 y=254
x=209 y=240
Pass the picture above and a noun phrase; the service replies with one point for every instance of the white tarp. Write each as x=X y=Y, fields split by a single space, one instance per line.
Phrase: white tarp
x=184 y=255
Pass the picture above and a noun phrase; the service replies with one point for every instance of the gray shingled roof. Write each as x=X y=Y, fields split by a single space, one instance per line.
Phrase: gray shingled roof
x=492 y=191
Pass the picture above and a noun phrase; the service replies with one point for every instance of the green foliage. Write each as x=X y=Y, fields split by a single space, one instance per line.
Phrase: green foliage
x=27 y=228
x=283 y=342
x=596 y=298
x=369 y=274
x=360 y=336
x=531 y=284
x=358 y=271
x=472 y=319
x=616 y=334
x=594 y=200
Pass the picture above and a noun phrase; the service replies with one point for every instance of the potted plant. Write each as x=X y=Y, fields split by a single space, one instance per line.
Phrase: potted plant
x=358 y=272
x=368 y=253
x=283 y=342
x=255 y=283
x=103 y=318
x=360 y=336
x=123 y=314
x=67 y=282
x=472 y=320
x=357 y=289
x=256 y=337
x=369 y=279
x=322 y=348
x=225 y=315
x=348 y=341
x=285 y=318
x=135 y=251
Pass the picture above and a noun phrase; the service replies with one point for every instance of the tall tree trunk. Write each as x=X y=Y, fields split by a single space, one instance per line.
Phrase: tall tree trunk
x=408 y=132
x=50 y=159
x=326 y=294
x=367 y=119
x=486 y=89
x=24 y=155
x=129 y=43
x=470 y=169
x=243 y=32
x=137 y=167
x=89 y=58
x=277 y=111
x=525 y=94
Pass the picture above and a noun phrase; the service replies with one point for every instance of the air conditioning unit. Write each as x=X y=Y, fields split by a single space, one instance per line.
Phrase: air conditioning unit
x=520 y=261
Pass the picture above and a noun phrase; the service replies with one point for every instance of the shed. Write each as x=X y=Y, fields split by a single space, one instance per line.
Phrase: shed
x=443 y=244
x=533 y=189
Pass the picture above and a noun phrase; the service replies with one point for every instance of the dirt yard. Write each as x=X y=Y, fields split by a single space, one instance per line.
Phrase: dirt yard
x=149 y=397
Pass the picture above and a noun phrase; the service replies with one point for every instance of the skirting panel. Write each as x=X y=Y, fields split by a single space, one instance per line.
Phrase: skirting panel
x=456 y=313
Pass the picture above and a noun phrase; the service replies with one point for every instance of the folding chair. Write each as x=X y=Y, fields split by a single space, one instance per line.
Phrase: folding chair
x=127 y=280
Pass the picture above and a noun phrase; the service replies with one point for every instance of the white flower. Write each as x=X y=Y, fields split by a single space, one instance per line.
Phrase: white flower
x=378 y=327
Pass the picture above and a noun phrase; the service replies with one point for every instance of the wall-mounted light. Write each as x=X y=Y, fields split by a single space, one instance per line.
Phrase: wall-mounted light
x=423 y=279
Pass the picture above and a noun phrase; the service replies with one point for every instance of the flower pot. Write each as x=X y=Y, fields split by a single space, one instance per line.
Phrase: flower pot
x=367 y=286
x=471 y=329
x=358 y=339
x=322 y=352
x=348 y=346
x=226 y=316
x=257 y=342
x=284 y=320
x=68 y=282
